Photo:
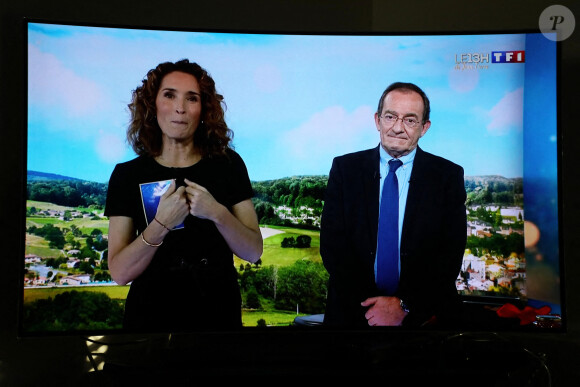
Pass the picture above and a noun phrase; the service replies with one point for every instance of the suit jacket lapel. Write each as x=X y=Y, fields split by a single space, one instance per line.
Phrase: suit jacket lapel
x=416 y=190
x=372 y=181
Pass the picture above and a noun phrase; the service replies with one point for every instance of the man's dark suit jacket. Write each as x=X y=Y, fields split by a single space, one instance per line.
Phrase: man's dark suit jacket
x=432 y=239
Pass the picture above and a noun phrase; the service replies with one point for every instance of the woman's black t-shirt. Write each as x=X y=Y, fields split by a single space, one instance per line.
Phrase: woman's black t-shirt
x=191 y=282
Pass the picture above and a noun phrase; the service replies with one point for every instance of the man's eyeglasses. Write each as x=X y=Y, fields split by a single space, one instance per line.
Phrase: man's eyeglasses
x=409 y=122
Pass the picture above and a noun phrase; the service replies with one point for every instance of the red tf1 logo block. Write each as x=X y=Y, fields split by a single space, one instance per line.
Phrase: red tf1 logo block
x=508 y=56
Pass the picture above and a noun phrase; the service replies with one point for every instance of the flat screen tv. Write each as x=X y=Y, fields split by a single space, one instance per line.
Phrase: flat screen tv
x=294 y=102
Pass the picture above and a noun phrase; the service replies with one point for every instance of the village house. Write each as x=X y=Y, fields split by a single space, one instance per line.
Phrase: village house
x=75 y=279
x=32 y=258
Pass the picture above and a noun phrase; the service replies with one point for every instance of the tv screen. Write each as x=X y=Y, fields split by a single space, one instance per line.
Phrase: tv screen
x=294 y=102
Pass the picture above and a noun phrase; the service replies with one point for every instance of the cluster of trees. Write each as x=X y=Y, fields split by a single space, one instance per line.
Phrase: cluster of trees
x=74 y=311
x=494 y=189
x=52 y=234
x=302 y=285
x=308 y=191
x=301 y=241
x=59 y=237
x=66 y=192
x=293 y=192
x=267 y=214
x=497 y=244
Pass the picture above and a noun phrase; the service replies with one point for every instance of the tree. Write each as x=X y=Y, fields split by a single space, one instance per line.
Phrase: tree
x=288 y=242
x=71 y=193
x=97 y=234
x=54 y=237
x=305 y=284
x=97 y=241
x=266 y=281
x=102 y=275
x=498 y=218
x=303 y=241
x=87 y=252
x=75 y=230
x=87 y=268
x=253 y=300
x=55 y=262
x=69 y=238
x=72 y=311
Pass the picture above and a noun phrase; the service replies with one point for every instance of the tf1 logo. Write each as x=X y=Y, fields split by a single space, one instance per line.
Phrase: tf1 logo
x=508 y=56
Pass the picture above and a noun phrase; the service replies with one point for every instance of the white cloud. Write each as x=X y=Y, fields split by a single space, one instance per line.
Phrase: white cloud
x=51 y=83
x=110 y=148
x=463 y=80
x=268 y=78
x=507 y=113
x=331 y=132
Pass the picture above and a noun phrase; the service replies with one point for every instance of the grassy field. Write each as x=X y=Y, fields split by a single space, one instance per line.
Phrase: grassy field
x=43 y=206
x=84 y=224
x=39 y=246
x=33 y=294
x=275 y=255
x=250 y=318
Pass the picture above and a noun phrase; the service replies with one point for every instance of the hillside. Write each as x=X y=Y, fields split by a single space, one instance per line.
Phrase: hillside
x=44 y=176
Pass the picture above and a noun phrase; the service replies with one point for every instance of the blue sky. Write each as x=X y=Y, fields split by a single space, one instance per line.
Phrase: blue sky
x=294 y=102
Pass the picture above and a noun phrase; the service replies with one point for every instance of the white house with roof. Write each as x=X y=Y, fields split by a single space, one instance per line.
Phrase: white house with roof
x=32 y=258
x=75 y=279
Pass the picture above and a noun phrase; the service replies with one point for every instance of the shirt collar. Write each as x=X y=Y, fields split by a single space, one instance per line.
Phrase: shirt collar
x=406 y=159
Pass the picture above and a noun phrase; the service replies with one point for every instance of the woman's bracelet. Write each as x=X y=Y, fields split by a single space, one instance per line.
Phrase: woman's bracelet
x=164 y=226
x=150 y=244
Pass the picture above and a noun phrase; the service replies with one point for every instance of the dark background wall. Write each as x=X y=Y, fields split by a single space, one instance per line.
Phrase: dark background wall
x=58 y=360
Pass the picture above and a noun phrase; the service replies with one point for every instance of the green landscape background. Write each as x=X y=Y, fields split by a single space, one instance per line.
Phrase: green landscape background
x=65 y=215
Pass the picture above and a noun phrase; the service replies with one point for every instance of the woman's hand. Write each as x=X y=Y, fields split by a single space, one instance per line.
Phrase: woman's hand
x=201 y=203
x=239 y=227
x=173 y=206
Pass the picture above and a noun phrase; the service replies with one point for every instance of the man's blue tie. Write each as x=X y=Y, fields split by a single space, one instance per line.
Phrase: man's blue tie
x=388 y=235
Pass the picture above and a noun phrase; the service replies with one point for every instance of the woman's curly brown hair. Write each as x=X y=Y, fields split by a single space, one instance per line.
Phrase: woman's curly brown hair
x=211 y=138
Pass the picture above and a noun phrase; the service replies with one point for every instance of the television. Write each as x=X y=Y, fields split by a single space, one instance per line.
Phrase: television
x=485 y=89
